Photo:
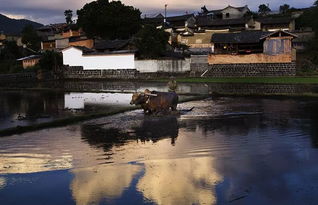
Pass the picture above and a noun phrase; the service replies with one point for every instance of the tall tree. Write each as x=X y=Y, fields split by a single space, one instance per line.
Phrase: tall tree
x=264 y=9
x=30 y=38
x=68 y=16
x=109 y=20
x=283 y=9
x=151 y=42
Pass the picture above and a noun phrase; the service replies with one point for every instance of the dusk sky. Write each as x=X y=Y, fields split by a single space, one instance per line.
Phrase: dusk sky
x=51 y=11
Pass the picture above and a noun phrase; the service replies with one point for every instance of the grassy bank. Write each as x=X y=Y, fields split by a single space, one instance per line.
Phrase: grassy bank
x=264 y=80
x=76 y=119
x=269 y=95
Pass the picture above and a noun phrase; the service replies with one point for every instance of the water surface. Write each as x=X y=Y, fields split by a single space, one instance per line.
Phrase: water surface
x=224 y=151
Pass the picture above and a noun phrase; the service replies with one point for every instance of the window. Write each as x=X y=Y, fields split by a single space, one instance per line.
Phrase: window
x=227 y=15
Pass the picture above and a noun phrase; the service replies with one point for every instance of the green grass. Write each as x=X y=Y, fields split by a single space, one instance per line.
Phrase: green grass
x=270 y=80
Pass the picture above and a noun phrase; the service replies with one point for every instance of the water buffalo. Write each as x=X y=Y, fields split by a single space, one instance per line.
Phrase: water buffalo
x=140 y=99
x=155 y=102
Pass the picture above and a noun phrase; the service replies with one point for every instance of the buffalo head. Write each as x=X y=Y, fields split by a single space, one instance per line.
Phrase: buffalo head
x=138 y=98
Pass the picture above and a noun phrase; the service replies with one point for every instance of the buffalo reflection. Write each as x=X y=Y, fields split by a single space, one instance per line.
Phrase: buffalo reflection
x=155 y=129
x=149 y=128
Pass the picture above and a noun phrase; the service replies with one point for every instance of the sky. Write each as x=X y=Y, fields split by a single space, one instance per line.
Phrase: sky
x=52 y=11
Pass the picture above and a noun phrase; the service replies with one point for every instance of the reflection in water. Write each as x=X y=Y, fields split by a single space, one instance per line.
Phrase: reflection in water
x=80 y=100
x=144 y=129
x=32 y=107
x=180 y=181
x=30 y=163
x=92 y=185
x=259 y=151
x=155 y=129
x=2 y=183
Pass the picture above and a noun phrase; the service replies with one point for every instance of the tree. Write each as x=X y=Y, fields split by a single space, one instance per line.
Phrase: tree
x=8 y=55
x=30 y=38
x=264 y=9
x=151 y=42
x=68 y=16
x=283 y=9
x=109 y=20
x=51 y=60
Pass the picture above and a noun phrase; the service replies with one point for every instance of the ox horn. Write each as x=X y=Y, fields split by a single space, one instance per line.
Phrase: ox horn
x=150 y=94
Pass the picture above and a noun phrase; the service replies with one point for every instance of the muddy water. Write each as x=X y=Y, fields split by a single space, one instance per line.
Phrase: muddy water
x=224 y=151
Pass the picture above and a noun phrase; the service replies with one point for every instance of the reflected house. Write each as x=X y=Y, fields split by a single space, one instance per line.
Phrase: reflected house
x=180 y=181
x=93 y=185
x=80 y=100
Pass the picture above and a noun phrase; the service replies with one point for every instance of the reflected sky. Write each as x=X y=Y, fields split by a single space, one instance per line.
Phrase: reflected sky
x=225 y=151
x=180 y=181
x=92 y=185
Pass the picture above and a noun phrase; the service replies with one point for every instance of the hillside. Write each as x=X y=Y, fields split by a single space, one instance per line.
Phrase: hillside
x=14 y=26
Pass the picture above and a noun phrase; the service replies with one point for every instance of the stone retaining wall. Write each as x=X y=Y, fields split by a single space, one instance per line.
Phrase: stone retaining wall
x=79 y=73
x=244 y=70
x=17 y=77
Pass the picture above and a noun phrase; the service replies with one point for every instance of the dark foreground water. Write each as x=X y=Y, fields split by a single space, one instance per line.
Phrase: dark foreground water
x=224 y=151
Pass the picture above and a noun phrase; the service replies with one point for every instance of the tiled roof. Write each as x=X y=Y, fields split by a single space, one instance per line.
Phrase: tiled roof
x=207 y=21
x=111 y=44
x=29 y=57
x=241 y=37
x=274 y=20
x=246 y=36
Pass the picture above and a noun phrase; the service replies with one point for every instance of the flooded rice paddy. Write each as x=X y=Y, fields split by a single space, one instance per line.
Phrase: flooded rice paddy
x=21 y=108
x=224 y=151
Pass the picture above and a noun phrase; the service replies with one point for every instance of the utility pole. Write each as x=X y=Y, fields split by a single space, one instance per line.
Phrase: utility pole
x=165 y=19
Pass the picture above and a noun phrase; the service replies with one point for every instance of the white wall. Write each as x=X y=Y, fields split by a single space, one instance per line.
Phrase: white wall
x=73 y=57
x=152 y=66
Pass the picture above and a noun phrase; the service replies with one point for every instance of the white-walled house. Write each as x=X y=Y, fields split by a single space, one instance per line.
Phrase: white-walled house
x=80 y=56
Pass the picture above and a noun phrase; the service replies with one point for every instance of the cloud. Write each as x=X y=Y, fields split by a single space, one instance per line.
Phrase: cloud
x=48 y=11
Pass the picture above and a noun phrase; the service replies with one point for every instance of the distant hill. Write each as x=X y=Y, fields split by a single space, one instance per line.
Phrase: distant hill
x=15 y=26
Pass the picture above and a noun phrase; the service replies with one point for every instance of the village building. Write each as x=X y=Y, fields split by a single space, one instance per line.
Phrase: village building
x=275 y=23
x=51 y=30
x=303 y=40
x=69 y=32
x=2 y=39
x=199 y=39
x=48 y=45
x=15 y=38
x=81 y=41
x=29 y=61
x=155 y=20
x=77 y=56
x=252 y=47
x=230 y=12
